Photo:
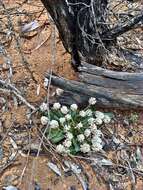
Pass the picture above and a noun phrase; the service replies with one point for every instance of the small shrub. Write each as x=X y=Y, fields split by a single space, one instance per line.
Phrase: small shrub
x=73 y=131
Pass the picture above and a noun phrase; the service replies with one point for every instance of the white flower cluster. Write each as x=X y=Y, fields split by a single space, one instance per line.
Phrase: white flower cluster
x=56 y=106
x=96 y=138
x=66 y=144
x=76 y=130
x=44 y=120
x=101 y=118
x=43 y=107
x=85 y=148
x=92 y=101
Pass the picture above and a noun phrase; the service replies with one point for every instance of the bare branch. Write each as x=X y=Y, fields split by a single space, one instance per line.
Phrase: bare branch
x=121 y=29
x=16 y=92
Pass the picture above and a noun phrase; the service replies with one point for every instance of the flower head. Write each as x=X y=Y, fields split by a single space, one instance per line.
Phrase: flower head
x=62 y=120
x=96 y=139
x=67 y=127
x=67 y=143
x=64 y=110
x=89 y=112
x=43 y=107
x=96 y=143
x=91 y=121
x=79 y=125
x=80 y=138
x=69 y=136
x=82 y=113
x=98 y=133
x=92 y=101
x=98 y=121
x=73 y=107
x=97 y=147
x=85 y=148
x=44 y=120
x=54 y=124
x=93 y=128
x=56 y=106
x=60 y=148
x=87 y=132
x=106 y=119
x=68 y=117
x=99 y=114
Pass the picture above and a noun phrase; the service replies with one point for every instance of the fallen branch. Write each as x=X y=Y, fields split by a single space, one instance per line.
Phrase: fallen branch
x=107 y=97
x=121 y=29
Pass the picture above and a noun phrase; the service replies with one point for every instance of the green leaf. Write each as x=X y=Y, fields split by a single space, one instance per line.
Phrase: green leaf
x=54 y=116
x=110 y=114
x=72 y=150
x=76 y=145
x=56 y=136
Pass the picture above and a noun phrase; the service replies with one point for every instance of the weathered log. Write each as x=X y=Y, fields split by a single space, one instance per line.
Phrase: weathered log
x=95 y=70
x=128 y=87
x=124 y=82
x=106 y=97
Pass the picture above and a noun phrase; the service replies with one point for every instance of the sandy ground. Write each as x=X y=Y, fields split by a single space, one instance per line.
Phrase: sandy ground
x=29 y=78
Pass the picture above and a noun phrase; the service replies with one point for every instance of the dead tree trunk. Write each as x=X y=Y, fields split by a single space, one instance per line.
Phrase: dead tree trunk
x=79 y=28
x=86 y=35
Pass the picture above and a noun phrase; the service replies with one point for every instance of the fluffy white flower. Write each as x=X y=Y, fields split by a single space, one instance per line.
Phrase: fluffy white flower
x=99 y=114
x=97 y=147
x=60 y=148
x=67 y=143
x=73 y=107
x=44 y=120
x=85 y=148
x=96 y=139
x=69 y=136
x=80 y=138
x=59 y=91
x=106 y=119
x=98 y=121
x=56 y=106
x=98 y=133
x=64 y=110
x=96 y=143
x=89 y=112
x=67 y=127
x=82 y=113
x=54 y=124
x=43 y=107
x=46 y=82
x=92 y=101
x=62 y=120
x=79 y=125
x=91 y=121
x=68 y=117
x=93 y=128
x=87 y=132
